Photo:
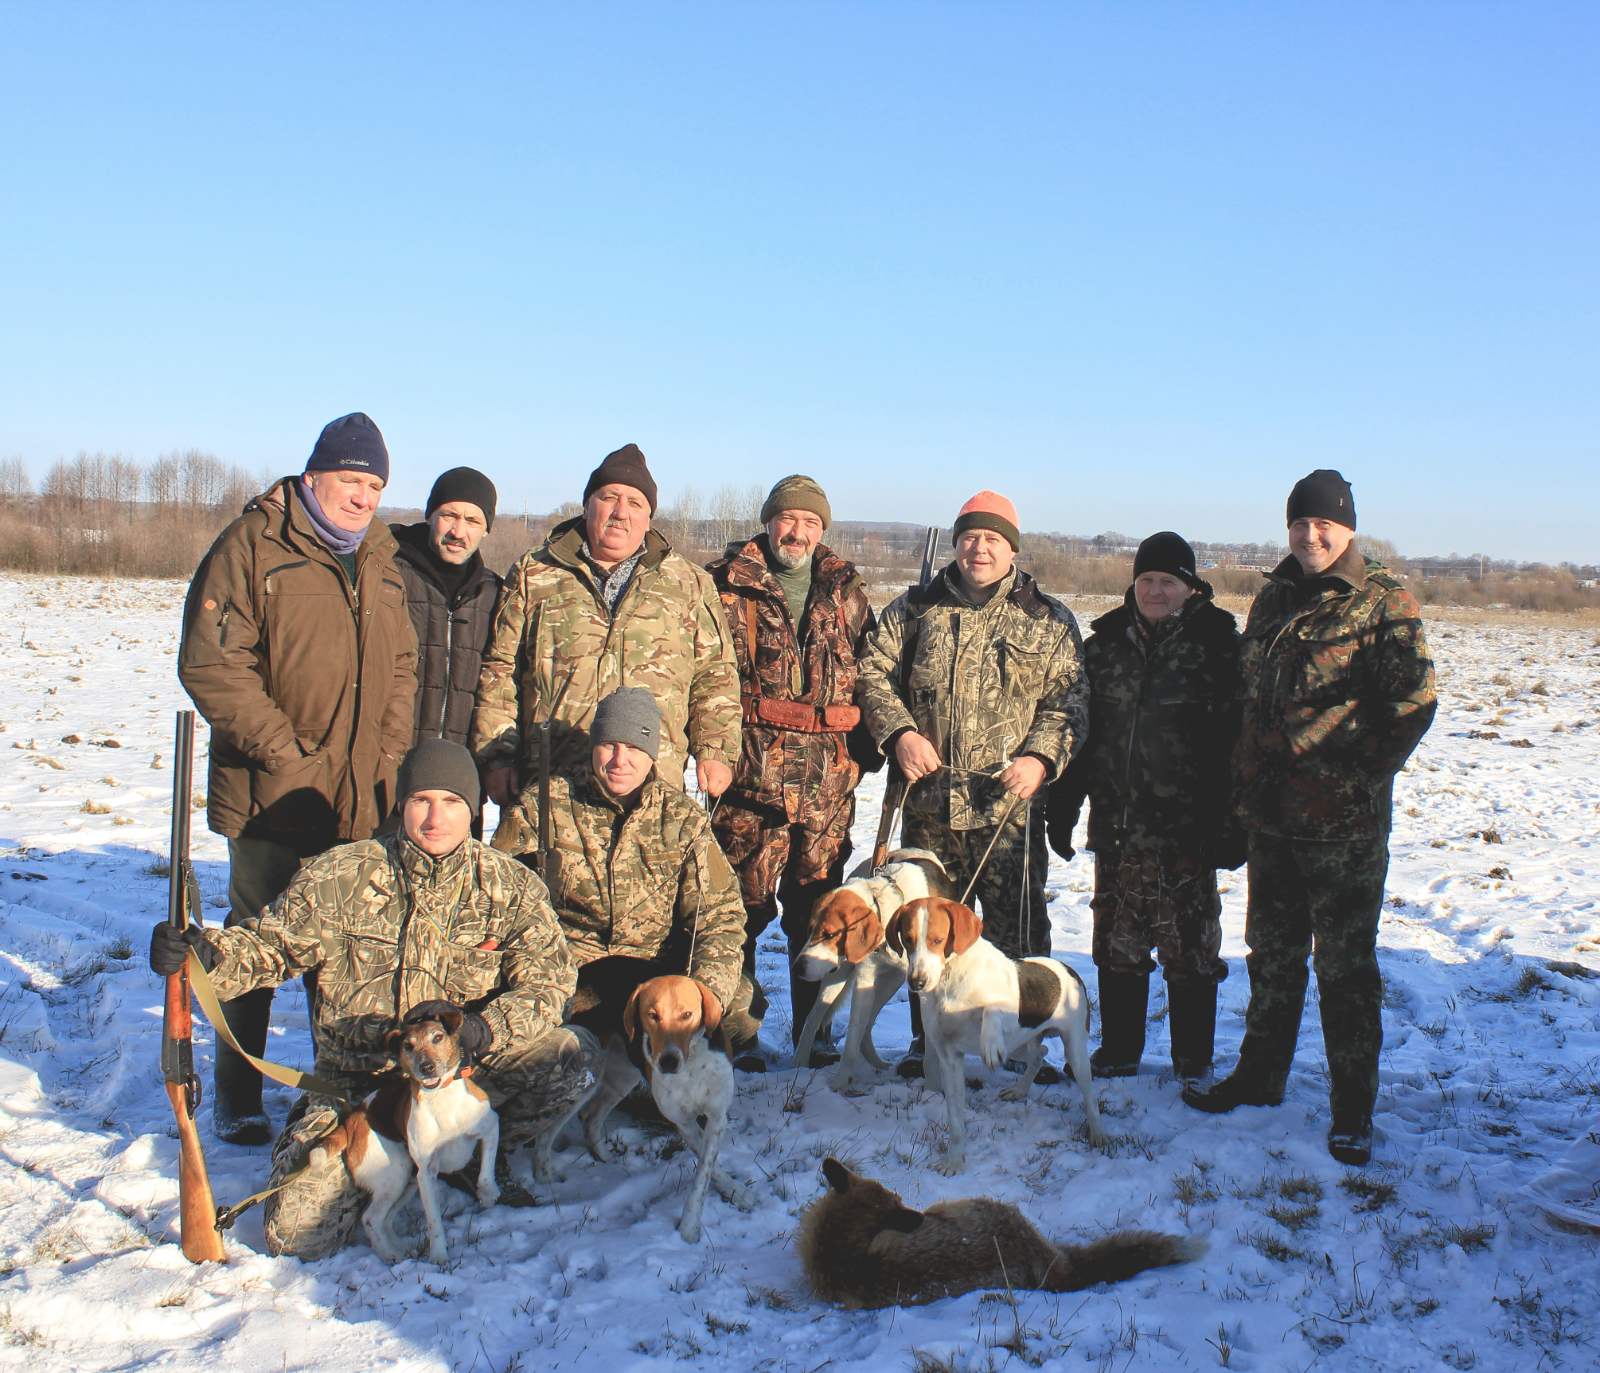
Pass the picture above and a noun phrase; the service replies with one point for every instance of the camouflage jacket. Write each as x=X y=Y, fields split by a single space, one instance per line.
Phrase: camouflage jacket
x=1338 y=689
x=984 y=684
x=1164 y=713
x=386 y=926
x=556 y=651
x=810 y=777
x=646 y=881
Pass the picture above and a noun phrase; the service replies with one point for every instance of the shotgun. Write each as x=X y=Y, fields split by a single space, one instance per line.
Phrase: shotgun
x=894 y=791
x=549 y=863
x=197 y=1209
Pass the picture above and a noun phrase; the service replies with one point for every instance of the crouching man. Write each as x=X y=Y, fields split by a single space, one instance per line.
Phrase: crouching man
x=425 y=915
x=633 y=868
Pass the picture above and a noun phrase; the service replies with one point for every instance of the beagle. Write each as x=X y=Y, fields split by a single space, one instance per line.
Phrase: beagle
x=413 y=1129
x=845 y=950
x=976 y=1000
x=669 y=1032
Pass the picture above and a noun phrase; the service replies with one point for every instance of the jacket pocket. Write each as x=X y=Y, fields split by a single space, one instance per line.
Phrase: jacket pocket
x=471 y=973
x=1021 y=668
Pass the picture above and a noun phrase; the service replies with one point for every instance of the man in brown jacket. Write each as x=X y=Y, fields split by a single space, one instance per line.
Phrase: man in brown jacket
x=298 y=651
x=798 y=614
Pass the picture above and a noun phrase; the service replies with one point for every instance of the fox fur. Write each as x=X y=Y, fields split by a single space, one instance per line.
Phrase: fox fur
x=863 y=1247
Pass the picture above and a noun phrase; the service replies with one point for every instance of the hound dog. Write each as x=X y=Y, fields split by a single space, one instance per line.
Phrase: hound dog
x=669 y=1032
x=427 y=1122
x=976 y=1000
x=845 y=950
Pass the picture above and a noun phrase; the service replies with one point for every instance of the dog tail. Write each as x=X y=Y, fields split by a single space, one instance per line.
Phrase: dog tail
x=1118 y=1257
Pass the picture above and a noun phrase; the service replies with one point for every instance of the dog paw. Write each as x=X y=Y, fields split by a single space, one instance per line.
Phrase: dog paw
x=1015 y=1092
x=488 y=1196
x=950 y=1165
x=736 y=1194
x=689 y=1233
x=438 y=1255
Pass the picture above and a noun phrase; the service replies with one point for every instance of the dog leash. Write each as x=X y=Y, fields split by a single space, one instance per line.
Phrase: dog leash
x=999 y=829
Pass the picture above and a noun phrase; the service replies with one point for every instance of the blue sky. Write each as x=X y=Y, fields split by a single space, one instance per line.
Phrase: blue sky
x=1138 y=266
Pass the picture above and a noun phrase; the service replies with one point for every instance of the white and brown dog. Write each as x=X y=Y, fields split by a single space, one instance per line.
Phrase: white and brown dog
x=414 y=1129
x=670 y=1033
x=976 y=1000
x=845 y=951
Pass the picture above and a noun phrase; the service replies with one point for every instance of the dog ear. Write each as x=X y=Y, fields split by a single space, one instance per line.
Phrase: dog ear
x=630 y=1014
x=892 y=937
x=839 y=1177
x=451 y=1020
x=393 y=1036
x=863 y=937
x=965 y=927
x=903 y=1220
x=710 y=1009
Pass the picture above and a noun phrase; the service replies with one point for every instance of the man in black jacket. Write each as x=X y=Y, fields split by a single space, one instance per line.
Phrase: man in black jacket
x=451 y=596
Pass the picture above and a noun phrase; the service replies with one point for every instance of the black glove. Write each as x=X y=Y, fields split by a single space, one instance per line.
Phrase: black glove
x=475 y=1036
x=169 y=948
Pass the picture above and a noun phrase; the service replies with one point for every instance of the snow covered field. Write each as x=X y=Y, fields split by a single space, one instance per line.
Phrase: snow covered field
x=1430 y=1259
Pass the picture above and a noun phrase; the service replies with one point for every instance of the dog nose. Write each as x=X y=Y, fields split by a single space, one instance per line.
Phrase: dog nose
x=668 y=1063
x=919 y=983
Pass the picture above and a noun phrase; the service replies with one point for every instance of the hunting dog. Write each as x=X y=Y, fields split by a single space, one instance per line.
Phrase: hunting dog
x=413 y=1129
x=863 y=1247
x=845 y=950
x=668 y=1033
x=976 y=1000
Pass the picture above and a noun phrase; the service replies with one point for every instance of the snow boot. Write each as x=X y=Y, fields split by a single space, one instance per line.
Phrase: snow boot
x=1124 y=1000
x=237 y=1116
x=1242 y=1087
x=1192 y=1024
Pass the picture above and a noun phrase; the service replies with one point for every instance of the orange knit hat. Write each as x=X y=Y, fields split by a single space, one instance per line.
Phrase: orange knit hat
x=989 y=510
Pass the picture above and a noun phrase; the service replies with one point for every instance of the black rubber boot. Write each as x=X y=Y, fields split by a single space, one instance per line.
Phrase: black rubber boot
x=1192 y=1024
x=802 y=997
x=1124 y=1001
x=1241 y=1087
x=237 y=1116
x=1350 y=1142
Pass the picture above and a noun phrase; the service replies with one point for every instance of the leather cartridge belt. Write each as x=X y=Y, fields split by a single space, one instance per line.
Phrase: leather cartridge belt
x=799 y=716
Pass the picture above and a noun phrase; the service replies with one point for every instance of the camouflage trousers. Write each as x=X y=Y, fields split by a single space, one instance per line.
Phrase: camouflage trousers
x=777 y=864
x=317 y=1213
x=1010 y=890
x=1321 y=900
x=1161 y=897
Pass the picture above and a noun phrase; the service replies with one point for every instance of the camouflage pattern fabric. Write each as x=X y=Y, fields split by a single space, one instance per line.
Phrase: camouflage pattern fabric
x=985 y=685
x=557 y=649
x=529 y=1087
x=1164 y=714
x=1320 y=900
x=1010 y=892
x=384 y=926
x=1157 y=896
x=1338 y=690
x=647 y=881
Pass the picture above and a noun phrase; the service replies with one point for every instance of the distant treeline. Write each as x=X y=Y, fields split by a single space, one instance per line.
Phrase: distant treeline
x=105 y=515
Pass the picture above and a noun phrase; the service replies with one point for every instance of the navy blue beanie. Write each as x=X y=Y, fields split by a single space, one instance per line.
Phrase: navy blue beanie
x=350 y=443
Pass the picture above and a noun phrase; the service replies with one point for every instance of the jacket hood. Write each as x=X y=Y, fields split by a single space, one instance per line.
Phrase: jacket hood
x=564 y=545
x=1199 y=615
x=1352 y=567
x=744 y=563
x=1024 y=593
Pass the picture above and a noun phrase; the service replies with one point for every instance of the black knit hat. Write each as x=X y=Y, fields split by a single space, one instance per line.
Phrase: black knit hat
x=628 y=716
x=350 y=443
x=627 y=467
x=463 y=484
x=1166 y=552
x=1323 y=495
x=440 y=765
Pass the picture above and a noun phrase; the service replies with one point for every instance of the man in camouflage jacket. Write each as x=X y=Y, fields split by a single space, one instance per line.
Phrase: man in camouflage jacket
x=1338 y=690
x=428 y=914
x=605 y=603
x=634 y=869
x=974 y=686
x=1163 y=673
x=799 y=615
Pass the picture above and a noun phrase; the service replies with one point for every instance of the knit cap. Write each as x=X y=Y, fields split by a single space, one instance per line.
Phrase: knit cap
x=1166 y=552
x=989 y=510
x=440 y=765
x=350 y=443
x=463 y=484
x=1323 y=495
x=627 y=467
x=797 y=493
x=628 y=716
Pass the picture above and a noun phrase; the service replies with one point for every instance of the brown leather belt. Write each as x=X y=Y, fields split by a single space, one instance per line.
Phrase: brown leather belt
x=799 y=716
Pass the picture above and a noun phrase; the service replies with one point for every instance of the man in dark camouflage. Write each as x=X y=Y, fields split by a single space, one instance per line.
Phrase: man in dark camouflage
x=634 y=869
x=799 y=615
x=388 y=924
x=1338 y=690
x=1163 y=673
x=974 y=686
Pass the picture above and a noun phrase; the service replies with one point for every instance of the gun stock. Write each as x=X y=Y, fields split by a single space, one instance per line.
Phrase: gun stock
x=197 y=1208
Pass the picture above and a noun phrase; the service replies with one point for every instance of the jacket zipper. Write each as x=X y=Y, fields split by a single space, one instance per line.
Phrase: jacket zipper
x=449 y=673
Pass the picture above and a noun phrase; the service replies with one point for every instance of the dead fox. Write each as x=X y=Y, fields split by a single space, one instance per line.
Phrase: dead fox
x=862 y=1247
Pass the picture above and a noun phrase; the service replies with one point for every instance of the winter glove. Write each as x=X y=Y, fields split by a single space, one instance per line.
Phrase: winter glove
x=475 y=1036
x=169 y=947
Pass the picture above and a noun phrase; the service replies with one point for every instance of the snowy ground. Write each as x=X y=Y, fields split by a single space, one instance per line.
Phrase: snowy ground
x=1427 y=1260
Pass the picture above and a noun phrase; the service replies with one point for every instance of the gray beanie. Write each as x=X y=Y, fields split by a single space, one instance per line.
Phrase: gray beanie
x=628 y=716
x=440 y=765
